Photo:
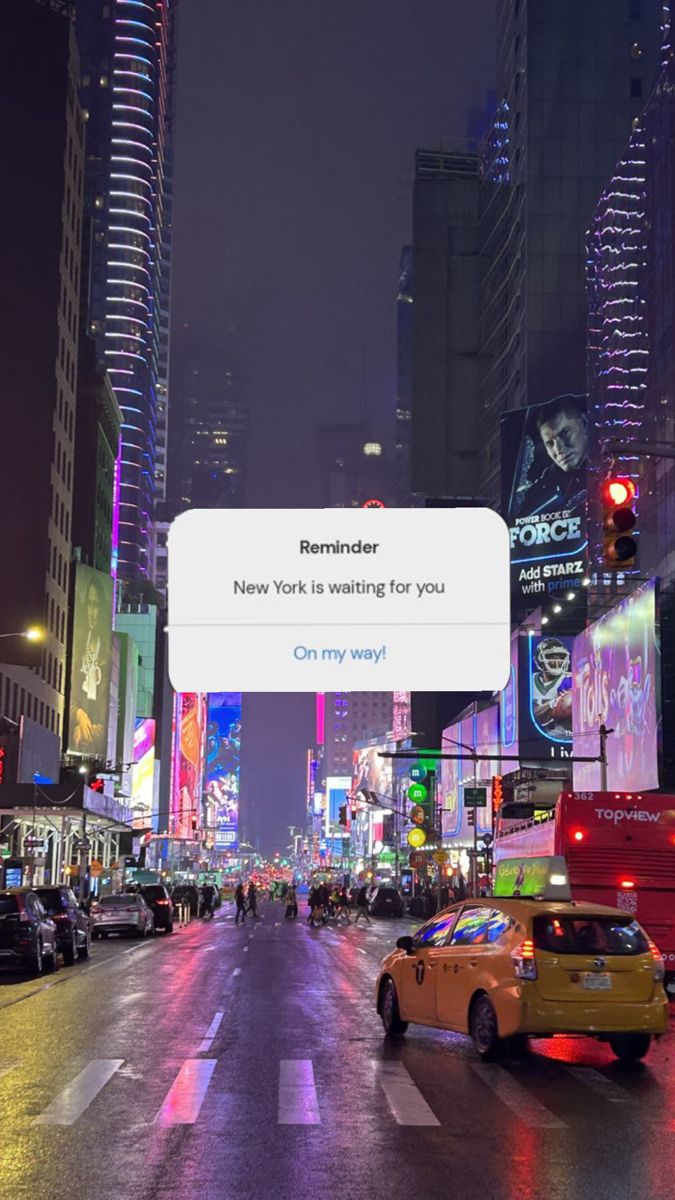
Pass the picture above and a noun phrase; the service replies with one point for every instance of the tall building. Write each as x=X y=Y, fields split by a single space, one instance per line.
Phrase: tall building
x=445 y=363
x=208 y=427
x=404 y=350
x=40 y=224
x=571 y=78
x=354 y=467
x=97 y=437
x=127 y=93
x=351 y=717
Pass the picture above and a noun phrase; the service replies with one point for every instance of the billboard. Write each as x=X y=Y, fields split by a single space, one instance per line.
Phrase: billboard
x=479 y=730
x=187 y=763
x=223 y=755
x=90 y=663
x=615 y=669
x=544 y=472
x=372 y=772
x=338 y=788
x=143 y=772
x=545 y=696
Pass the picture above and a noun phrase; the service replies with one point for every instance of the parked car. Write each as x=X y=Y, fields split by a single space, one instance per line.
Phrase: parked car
x=127 y=913
x=159 y=901
x=73 y=931
x=386 y=902
x=27 y=933
x=187 y=893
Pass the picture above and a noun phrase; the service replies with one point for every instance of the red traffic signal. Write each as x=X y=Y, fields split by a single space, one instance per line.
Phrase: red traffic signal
x=618 y=522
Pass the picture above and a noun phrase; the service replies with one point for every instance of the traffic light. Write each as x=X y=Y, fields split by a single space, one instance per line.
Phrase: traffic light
x=497 y=792
x=618 y=523
x=343 y=815
x=195 y=821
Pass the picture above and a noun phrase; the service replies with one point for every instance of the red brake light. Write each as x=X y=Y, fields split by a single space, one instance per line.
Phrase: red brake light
x=526 y=949
x=578 y=835
x=628 y=884
x=655 y=952
x=524 y=963
x=163 y=901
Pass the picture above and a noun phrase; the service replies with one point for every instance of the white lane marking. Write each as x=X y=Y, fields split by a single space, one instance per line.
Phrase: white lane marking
x=599 y=1083
x=298 y=1101
x=186 y=1094
x=215 y=1025
x=205 y=1045
x=237 y=971
x=403 y=1096
x=79 y=1093
x=517 y=1098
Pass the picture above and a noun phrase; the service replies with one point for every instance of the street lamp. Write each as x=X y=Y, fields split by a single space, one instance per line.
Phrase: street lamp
x=33 y=634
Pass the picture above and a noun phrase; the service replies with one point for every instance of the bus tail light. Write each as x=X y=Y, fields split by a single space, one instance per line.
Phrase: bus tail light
x=628 y=884
x=578 y=835
x=524 y=962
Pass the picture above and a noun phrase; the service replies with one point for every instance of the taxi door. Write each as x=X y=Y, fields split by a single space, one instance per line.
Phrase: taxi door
x=419 y=971
x=460 y=970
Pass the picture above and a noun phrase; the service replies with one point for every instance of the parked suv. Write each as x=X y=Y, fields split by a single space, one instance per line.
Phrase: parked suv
x=386 y=902
x=27 y=934
x=73 y=937
x=158 y=899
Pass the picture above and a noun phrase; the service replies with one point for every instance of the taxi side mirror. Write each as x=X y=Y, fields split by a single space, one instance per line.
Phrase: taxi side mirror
x=405 y=943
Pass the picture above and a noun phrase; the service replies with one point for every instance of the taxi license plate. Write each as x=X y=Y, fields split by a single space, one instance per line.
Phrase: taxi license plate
x=598 y=983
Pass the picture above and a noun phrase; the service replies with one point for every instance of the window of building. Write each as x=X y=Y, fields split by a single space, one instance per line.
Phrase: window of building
x=635 y=88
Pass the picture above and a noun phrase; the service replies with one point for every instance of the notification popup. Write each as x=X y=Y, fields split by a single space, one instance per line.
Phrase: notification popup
x=302 y=600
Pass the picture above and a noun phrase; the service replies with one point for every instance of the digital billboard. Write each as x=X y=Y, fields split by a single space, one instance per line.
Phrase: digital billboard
x=223 y=756
x=478 y=730
x=187 y=763
x=544 y=472
x=90 y=663
x=615 y=669
x=371 y=772
x=143 y=772
x=338 y=788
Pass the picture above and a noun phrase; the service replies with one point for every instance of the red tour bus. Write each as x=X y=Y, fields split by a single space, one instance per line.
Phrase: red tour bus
x=619 y=848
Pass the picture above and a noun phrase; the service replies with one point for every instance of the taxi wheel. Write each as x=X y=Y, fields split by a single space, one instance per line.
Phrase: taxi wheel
x=483 y=1028
x=391 y=1017
x=630 y=1047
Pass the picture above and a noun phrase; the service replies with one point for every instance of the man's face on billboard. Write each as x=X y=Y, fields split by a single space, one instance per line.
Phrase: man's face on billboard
x=565 y=437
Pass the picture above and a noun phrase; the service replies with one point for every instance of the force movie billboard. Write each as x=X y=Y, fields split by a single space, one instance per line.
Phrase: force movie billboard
x=223 y=758
x=615 y=669
x=90 y=663
x=544 y=472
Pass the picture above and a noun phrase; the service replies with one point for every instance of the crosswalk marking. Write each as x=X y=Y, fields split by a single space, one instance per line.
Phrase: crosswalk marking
x=79 y=1093
x=517 y=1098
x=403 y=1096
x=298 y=1101
x=186 y=1095
x=599 y=1083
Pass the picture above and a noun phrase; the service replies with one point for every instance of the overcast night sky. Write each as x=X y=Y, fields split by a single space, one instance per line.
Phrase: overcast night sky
x=297 y=126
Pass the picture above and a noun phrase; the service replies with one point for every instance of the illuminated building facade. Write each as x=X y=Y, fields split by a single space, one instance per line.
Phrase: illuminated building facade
x=126 y=91
x=404 y=349
x=571 y=78
x=41 y=220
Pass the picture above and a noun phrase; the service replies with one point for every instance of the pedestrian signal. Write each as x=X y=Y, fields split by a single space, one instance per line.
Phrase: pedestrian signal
x=618 y=523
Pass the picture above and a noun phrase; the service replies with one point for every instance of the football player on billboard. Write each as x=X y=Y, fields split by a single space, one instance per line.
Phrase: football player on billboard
x=552 y=687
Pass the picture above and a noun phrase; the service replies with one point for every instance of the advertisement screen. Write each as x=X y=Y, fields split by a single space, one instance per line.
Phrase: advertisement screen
x=187 y=763
x=223 y=754
x=338 y=788
x=615 y=668
x=544 y=469
x=372 y=772
x=90 y=663
x=143 y=771
x=478 y=731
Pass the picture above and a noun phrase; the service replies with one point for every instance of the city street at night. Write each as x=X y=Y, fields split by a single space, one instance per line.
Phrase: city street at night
x=249 y=1062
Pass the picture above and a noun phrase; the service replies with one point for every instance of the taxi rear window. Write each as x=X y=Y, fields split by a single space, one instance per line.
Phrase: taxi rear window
x=589 y=935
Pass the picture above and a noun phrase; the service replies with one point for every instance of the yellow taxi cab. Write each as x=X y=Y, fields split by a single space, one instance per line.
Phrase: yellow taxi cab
x=505 y=967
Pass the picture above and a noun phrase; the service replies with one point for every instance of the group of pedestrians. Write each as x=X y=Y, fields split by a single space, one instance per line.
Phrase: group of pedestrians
x=325 y=905
x=246 y=901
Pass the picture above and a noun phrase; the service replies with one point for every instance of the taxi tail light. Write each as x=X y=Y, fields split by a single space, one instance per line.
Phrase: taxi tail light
x=659 y=968
x=524 y=961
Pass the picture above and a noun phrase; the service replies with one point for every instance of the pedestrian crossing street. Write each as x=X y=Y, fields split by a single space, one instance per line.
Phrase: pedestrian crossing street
x=300 y=1101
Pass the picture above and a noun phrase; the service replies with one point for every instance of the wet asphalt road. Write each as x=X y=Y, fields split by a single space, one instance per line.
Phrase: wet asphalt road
x=227 y=1064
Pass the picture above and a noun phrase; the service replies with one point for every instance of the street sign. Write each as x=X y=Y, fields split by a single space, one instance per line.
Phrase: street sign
x=418 y=772
x=95 y=868
x=440 y=857
x=417 y=793
x=417 y=815
x=416 y=837
x=475 y=797
x=4 y=852
x=417 y=859
x=81 y=844
x=33 y=843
